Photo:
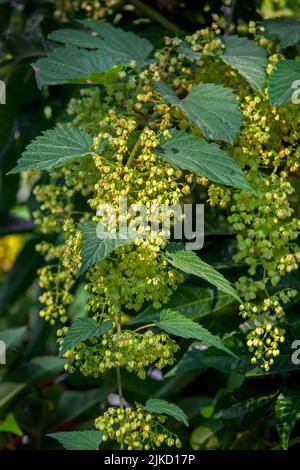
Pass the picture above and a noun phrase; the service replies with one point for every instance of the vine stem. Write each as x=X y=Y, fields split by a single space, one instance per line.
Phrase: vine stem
x=145 y=326
x=133 y=152
x=118 y=370
x=155 y=15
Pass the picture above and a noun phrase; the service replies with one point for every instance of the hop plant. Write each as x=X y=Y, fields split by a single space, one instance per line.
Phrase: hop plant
x=127 y=120
x=55 y=202
x=56 y=283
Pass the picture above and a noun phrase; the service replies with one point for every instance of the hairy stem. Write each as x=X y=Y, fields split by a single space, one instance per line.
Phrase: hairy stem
x=155 y=15
x=145 y=326
x=133 y=152
x=118 y=370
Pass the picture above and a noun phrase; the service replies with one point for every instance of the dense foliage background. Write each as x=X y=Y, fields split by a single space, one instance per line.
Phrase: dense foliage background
x=228 y=406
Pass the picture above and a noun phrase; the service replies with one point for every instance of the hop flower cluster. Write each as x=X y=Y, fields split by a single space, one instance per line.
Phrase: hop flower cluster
x=263 y=342
x=265 y=228
x=138 y=173
x=135 y=429
x=266 y=231
x=55 y=202
x=133 y=275
x=56 y=283
x=129 y=349
x=65 y=10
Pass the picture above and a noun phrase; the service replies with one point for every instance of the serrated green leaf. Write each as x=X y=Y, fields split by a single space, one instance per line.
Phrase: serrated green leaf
x=176 y=324
x=287 y=411
x=77 y=37
x=284 y=82
x=212 y=108
x=248 y=58
x=83 y=329
x=284 y=29
x=156 y=405
x=55 y=148
x=190 y=263
x=125 y=45
x=95 y=249
x=167 y=92
x=78 y=440
x=119 y=45
x=186 y=152
x=73 y=65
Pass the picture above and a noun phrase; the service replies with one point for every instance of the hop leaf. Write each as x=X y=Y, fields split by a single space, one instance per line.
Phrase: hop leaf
x=73 y=65
x=212 y=108
x=84 y=329
x=186 y=152
x=176 y=324
x=155 y=405
x=190 y=263
x=54 y=148
x=78 y=440
x=94 y=249
x=249 y=59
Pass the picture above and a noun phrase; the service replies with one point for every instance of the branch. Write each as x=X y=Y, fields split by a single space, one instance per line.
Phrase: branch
x=155 y=16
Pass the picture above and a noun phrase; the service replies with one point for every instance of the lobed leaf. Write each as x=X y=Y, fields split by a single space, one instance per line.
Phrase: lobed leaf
x=212 y=108
x=54 y=148
x=248 y=58
x=95 y=249
x=118 y=45
x=285 y=29
x=186 y=152
x=67 y=65
x=284 y=83
x=78 y=440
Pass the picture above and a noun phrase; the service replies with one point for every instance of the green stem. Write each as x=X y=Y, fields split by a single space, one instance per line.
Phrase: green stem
x=133 y=152
x=118 y=370
x=145 y=326
x=154 y=15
